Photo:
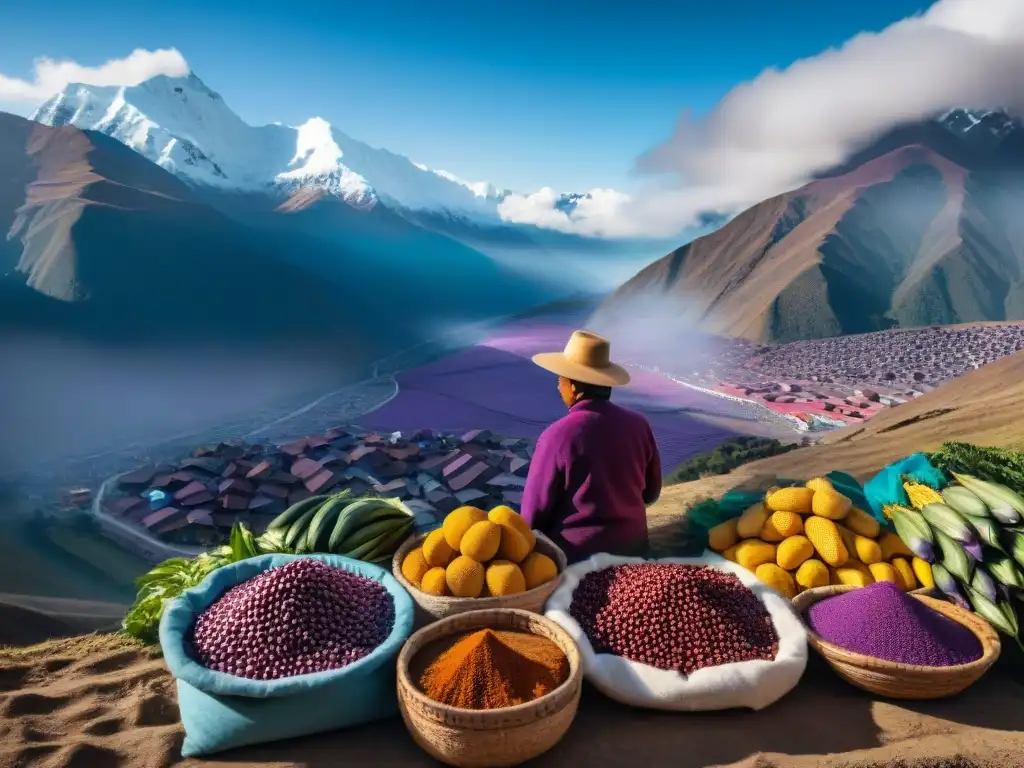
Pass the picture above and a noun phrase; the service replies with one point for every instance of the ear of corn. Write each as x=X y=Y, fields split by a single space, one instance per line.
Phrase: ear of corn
x=923 y=572
x=1004 y=621
x=776 y=578
x=831 y=504
x=860 y=522
x=789 y=500
x=1005 y=505
x=1015 y=542
x=944 y=518
x=884 y=572
x=965 y=502
x=853 y=577
x=904 y=574
x=781 y=525
x=723 y=535
x=812 y=573
x=987 y=530
x=921 y=495
x=820 y=484
x=954 y=558
x=751 y=521
x=915 y=532
x=893 y=546
x=1005 y=571
x=792 y=552
x=984 y=584
x=827 y=542
x=864 y=549
x=751 y=553
x=730 y=553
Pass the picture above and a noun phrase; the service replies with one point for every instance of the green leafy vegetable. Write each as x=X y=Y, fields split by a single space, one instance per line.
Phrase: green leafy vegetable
x=171 y=578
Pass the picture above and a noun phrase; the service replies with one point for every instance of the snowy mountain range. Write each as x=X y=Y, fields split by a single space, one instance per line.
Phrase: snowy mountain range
x=186 y=128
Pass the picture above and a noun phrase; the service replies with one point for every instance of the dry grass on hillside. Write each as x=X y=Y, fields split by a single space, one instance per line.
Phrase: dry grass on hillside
x=983 y=407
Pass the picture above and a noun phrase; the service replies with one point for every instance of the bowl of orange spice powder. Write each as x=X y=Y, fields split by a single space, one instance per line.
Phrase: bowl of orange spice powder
x=489 y=688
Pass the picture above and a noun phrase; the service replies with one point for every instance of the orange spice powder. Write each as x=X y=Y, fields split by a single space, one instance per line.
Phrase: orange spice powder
x=490 y=669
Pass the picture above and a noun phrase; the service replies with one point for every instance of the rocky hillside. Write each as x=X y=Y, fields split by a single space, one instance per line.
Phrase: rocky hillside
x=920 y=228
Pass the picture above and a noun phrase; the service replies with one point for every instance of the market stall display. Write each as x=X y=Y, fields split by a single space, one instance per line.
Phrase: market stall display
x=966 y=526
x=928 y=658
x=278 y=646
x=802 y=537
x=511 y=732
x=674 y=633
x=478 y=560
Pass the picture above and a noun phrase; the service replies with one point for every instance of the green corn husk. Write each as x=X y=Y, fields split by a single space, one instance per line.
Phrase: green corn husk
x=988 y=531
x=984 y=584
x=954 y=557
x=947 y=585
x=1003 y=620
x=915 y=532
x=1014 y=539
x=964 y=501
x=1005 y=504
x=942 y=517
x=1005 y=571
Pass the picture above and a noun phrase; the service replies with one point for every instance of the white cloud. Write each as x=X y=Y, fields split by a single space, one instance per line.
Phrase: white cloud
x=773 y=133
x=51 y=76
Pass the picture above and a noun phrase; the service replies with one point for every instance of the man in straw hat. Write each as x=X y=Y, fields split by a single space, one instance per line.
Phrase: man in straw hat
x=595 y=470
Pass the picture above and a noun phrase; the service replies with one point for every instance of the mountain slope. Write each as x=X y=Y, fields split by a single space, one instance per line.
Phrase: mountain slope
x=919 y=228
x=978 y=407
x=105 y=243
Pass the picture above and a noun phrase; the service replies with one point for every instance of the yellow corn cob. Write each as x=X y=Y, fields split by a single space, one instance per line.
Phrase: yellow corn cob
x=923 y=572
x=820 y=484
x=860 y=522
x=827 y=542
x=812 y=573
x=850 y=577
x=920 y=494
x=830 y=504
x=789 y=500
x=781 y=525
x=723 y=535
x=884 y=572
x=793 y=551
x=751 y=553
x=866 y=550
x=888 y=508
x=730 y=553
x=751 y=521
x=893 y=546
x=904 y=574
x=777 y=579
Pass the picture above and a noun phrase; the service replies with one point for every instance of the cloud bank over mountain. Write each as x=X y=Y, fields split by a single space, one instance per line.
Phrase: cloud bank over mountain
x=52 y=76
x=773 y=133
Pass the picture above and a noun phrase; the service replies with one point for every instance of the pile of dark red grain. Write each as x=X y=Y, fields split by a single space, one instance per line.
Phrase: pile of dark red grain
x=675 y=617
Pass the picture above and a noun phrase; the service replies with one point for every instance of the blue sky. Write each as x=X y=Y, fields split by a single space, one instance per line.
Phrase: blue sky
x=521 y=94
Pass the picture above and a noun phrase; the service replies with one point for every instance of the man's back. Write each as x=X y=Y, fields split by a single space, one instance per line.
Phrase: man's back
x=594 y=472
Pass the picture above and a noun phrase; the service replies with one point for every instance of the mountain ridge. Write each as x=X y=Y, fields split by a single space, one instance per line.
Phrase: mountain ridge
x=916 y=228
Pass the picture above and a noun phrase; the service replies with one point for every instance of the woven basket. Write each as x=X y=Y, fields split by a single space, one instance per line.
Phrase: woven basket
x=433 y=607
x=904 y=681
x=469 y=738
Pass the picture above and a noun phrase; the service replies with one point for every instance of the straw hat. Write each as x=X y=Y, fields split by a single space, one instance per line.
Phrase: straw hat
x=586 y=358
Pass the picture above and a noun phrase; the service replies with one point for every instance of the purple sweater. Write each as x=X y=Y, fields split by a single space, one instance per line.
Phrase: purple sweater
x=593 y=474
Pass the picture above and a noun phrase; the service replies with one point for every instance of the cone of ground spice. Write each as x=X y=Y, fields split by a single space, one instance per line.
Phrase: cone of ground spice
x=491 y=669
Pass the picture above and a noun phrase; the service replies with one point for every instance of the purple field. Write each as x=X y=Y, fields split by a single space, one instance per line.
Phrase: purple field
x=494 y=385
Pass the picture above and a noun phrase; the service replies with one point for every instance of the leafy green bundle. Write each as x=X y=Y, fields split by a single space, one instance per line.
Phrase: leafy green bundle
x=996 y=465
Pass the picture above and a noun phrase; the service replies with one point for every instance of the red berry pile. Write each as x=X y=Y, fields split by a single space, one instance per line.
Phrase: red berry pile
x=295 y=619
x=675 y=617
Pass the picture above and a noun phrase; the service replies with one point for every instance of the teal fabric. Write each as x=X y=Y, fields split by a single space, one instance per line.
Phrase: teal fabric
x=887 y=486
x=221 y=711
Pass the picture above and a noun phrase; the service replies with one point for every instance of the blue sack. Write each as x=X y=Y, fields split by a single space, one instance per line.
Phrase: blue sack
x=221 y=711
x=887 y=486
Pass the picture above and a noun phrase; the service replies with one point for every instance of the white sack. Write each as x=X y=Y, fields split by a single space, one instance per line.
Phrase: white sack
x=752 y=684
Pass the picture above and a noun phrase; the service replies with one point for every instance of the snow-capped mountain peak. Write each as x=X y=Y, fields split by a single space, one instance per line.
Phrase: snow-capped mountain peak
x=188 y=129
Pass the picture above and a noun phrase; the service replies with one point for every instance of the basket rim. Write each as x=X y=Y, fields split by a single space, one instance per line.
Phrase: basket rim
x=410 y=543
x=991 y=645
x=407 y=653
